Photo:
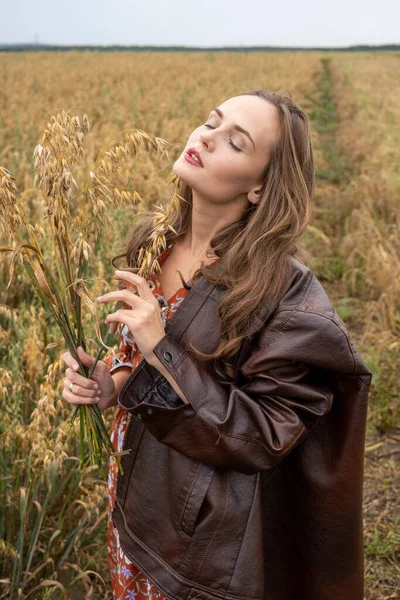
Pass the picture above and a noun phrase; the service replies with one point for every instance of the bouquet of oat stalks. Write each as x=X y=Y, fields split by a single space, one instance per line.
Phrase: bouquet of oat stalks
x=71 y=220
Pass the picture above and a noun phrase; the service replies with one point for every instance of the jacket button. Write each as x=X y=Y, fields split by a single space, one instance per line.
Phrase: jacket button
x=149 y=411
x=139 y=416
x=168 y=356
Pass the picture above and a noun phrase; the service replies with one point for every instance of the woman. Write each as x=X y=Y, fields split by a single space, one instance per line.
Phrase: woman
x=243 y=401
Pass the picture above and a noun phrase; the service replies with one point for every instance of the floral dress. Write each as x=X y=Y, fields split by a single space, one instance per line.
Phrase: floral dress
x=126 y=579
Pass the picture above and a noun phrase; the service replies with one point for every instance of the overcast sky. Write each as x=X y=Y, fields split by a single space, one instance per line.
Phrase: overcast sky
x=201 y=22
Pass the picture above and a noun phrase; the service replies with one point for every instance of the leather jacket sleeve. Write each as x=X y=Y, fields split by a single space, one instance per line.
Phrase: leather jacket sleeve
x=290 y=381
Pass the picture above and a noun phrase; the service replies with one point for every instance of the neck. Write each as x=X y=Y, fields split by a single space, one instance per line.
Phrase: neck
x=206 y=220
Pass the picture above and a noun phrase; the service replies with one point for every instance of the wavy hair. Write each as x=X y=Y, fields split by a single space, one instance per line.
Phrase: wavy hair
x=254 y=251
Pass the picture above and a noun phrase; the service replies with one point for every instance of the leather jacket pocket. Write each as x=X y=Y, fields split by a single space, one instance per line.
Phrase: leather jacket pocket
x=195 y=498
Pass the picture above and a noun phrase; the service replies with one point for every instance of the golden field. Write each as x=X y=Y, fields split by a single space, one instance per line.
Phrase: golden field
x=52 y=516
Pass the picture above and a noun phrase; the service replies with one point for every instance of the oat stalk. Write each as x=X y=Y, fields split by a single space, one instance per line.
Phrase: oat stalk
x=73 y=217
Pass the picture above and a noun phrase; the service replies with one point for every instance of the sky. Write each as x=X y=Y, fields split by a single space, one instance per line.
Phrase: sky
x=201 y=23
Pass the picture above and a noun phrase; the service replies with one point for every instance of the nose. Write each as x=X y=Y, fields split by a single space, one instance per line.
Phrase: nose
x=207 y=139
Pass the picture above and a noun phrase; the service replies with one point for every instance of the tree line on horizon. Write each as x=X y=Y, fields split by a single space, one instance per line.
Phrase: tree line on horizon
x=35 y=47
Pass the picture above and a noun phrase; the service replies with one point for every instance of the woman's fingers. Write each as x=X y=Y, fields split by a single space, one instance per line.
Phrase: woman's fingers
x=113 y=328
x=123 y=296
x=77 y=388
x=70 y=360
x=85 y=359
x=72 y=399
x=78 y=394
x=84 y=382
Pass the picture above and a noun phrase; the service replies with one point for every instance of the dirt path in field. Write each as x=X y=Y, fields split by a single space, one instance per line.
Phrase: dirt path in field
x=382 y=454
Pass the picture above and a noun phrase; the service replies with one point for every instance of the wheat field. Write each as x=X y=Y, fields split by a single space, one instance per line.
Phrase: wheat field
x=53 y=516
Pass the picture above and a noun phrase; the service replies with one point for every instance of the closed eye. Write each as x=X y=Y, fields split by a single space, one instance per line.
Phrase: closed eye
x=230 y=141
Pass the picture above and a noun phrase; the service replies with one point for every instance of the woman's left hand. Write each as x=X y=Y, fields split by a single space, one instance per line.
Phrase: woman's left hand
x=143 y=318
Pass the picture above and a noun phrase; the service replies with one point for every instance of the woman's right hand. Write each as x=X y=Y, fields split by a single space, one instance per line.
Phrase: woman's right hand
x=100 y=389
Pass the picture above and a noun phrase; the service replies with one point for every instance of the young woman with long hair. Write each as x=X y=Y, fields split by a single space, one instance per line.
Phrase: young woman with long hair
x=240 y=395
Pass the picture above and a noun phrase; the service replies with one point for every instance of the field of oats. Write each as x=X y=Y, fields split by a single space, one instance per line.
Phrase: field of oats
x=52 y=516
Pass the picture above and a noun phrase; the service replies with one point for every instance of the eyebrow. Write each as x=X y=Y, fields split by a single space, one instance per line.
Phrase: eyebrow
x=237 y=127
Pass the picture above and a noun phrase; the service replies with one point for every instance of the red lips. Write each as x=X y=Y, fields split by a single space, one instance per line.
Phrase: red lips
x=194 y=151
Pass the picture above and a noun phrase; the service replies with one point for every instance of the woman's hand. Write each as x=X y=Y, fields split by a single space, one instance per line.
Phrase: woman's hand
x=98 y=390
x=142 y=318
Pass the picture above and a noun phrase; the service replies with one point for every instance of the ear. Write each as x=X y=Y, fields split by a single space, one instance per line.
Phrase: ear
x=254 y=195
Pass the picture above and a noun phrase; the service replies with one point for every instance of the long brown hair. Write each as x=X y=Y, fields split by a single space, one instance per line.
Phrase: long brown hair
x=254 y=251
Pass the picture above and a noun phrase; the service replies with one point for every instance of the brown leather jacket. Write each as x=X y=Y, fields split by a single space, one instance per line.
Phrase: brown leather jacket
x=253 y=490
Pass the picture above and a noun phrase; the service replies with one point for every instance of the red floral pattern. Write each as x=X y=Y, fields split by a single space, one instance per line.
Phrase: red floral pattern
x=128 y=582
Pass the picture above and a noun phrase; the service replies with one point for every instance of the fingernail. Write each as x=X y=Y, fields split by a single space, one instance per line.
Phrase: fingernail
x=75 y=367
x=96 y=387
x=99 y=297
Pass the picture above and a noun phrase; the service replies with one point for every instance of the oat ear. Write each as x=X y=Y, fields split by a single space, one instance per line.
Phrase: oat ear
x=162 y=218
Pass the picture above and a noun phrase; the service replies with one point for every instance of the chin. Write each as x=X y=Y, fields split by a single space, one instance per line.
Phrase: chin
x=187 y=174
x=181 y=172
x=174 y=169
